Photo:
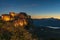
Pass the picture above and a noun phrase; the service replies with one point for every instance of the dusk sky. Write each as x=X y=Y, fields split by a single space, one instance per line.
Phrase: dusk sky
x=35 y=8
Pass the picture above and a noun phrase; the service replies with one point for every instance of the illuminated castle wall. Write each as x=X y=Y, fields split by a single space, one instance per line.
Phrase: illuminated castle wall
x=19 y=19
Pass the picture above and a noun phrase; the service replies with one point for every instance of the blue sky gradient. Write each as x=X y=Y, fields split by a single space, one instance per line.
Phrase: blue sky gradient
x=34 y=8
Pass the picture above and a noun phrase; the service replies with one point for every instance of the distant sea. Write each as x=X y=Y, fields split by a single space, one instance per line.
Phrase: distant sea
x=46 y=22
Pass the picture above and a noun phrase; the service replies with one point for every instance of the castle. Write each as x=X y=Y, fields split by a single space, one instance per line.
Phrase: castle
x=19 y=19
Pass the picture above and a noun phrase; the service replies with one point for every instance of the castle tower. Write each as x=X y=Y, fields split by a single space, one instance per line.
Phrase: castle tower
x=5 y=17
x=12 y=14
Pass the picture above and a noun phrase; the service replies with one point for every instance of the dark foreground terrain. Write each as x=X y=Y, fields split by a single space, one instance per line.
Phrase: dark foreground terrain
x=48 y=33
x=9 y=32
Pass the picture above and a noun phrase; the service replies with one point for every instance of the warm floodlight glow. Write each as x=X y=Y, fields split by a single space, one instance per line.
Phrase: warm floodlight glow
x=6 y=18
x=20 y=22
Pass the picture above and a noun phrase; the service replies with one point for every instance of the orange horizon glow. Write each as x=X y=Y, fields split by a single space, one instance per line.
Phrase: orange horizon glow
x=40 y=17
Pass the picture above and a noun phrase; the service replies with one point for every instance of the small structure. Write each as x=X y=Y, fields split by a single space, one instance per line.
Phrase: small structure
x=22 y=15
x=5 y=17
x=13 y=14
x=8 y=17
